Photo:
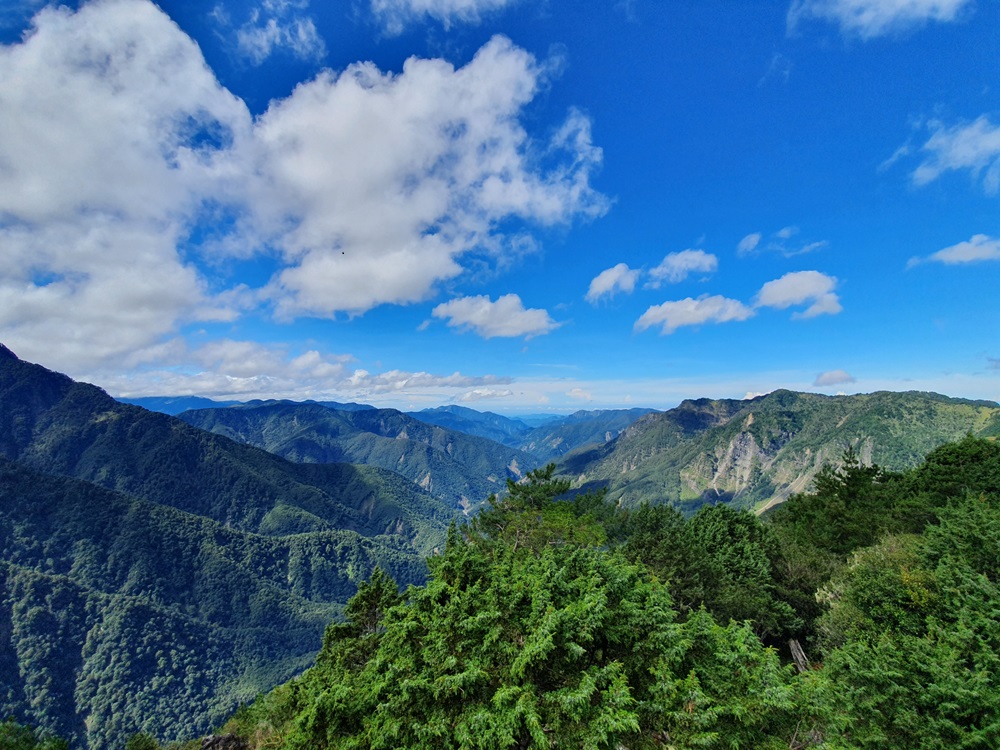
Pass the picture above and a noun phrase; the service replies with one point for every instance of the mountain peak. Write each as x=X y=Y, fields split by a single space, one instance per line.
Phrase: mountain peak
x=6 y=353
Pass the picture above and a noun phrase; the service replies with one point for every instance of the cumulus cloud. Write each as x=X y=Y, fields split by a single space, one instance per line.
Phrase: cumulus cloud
x=607 y=283
x=580 y=394
x=113 y=133
x=229 y=368
x=833 y=377
x=748 y=244
x=692 y=312
x=868 y=19
x=389 y=179
x=279 y=24
x=507 y=317
x=119 y=145
x=973 y=146
x=810 y=288
x=976 y=250
x=395 y=15
x=675 y=267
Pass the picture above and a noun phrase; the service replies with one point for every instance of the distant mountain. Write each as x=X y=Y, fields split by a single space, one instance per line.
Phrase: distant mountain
x=557 y=437
x=757 y=452
x=174 y=405
x=485 y=424
x=462 y=470
x=153 y=575
x=547 y=437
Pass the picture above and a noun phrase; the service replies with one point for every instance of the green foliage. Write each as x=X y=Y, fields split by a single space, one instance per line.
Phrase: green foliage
x=530 y=514
x=529 y=636
x=142 y=741
x=14 y=736
x=913 y=635
x=722 y=559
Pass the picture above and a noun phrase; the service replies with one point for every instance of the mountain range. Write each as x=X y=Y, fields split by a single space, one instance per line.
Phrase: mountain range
x=157 y=571
x=155 y=575
x=756 y=453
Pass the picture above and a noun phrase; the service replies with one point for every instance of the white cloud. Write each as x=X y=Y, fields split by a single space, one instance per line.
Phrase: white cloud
x=799 y=288
x=481 y=394
x=107 y=158
x=580 y=394
x=277 y=24
x=118 y=144
x=691 y=312
x=231 y=369
x=612 y=280
x=675 y=267
x=974 y=146
x=394 y=15
x=507 y=317
x=833 y=377
x=778 y=242
x=868 y=19
x=976 y=250
x=389 y=179
x=748 y=244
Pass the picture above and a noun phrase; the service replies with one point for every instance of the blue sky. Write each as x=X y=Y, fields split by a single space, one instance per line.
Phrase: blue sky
x=516 y=206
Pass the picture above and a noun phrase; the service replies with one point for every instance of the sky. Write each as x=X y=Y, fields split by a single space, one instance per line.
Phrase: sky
x=510 y=205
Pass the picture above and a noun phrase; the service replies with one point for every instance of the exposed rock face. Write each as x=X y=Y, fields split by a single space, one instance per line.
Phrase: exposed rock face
x=757 y=452
x=223 y=742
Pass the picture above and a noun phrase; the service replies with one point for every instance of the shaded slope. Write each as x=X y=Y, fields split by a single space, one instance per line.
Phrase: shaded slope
x=558 y=437
x=104 y=597
x=484 y=424
x=462 y=470
x=55 y=425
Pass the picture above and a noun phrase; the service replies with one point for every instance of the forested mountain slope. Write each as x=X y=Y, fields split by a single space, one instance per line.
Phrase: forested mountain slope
x=759 y=451
x=154 y=575
x=51 y=423
x=554 y=439
x=461 y=470
x=485 y=424
x=552 y=623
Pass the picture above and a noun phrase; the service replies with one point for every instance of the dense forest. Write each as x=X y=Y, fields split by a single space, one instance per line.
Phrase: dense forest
x=154 y=577
x=559 y=621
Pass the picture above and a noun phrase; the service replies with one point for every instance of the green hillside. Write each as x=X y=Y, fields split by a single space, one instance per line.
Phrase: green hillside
x=759 y=451
x=861 y=616
x=461 y=470
x=154 y=575
x=556 y=438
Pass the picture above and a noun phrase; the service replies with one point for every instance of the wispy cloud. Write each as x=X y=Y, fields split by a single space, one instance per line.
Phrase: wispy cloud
x=779 y=242
x=396 y=15
x=506 y=318
x=676 y=267
x=971 y=146
x=619 y=278
x=979 y=249
x=748 y=244
x=868 y=19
